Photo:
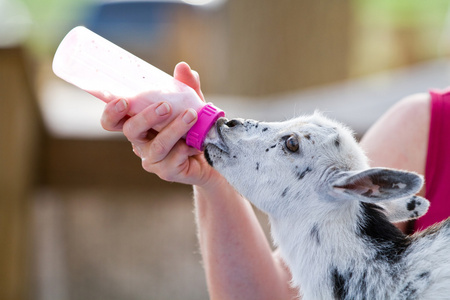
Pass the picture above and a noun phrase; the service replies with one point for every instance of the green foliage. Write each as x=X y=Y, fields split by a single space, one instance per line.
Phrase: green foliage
x=51 y=20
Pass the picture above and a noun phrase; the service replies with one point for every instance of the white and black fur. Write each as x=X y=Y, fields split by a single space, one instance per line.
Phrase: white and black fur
x=330 y=213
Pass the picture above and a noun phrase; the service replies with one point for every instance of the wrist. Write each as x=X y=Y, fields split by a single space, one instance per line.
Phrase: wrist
x=212 y=182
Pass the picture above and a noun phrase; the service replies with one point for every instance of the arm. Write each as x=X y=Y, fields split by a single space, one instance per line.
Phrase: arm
x=237 y=256
x=399 y=139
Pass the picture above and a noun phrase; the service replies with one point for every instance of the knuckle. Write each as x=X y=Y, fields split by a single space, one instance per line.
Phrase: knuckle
x=128 y=130
x=162 y=173
x=104 y=121
x=149 y=117
x=166 y=177
x=136 y=150
x=147 y=165
x=158 y=149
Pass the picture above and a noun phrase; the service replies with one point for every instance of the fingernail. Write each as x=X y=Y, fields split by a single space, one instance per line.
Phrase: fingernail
x=163 y=109
x=121 y=105
x=189 y=115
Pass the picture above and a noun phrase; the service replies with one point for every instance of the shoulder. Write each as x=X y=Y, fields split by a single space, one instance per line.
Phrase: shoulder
x=414 y=109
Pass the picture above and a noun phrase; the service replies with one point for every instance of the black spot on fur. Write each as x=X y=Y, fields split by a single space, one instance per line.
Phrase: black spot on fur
x=208 y=158
x=411 y=205
x=267 y=150
x=257 y=166
x=337 y=141
x=307 y=136
x=314 y=233
x=343 y=280
x=265 y=129
x=340 y=284
x=415 y=214
x=387 y=240
x=273 y=146
x=409 y=291
x=285 y=191
x=302 y=174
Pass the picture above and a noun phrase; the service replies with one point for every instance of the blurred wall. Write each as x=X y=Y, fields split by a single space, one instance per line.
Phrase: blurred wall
x=278 y=46
x=258 y=47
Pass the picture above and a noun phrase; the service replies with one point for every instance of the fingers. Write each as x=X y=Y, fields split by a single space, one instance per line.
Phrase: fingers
x=153 y=147
x=172 y=167
x=166 y=140
x=115 y=115
x=189 y=77
x=163 y=153
x=137 y=129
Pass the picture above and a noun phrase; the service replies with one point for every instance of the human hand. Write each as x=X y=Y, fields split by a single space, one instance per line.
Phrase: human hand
x=163 y=153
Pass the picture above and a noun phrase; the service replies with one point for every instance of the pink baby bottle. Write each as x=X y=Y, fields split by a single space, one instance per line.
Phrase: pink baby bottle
x=109 y=72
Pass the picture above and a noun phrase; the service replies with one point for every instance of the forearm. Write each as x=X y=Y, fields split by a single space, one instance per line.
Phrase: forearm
x=237 y=257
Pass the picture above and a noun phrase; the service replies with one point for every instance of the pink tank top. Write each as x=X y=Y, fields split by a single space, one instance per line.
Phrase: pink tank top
x=437 y=172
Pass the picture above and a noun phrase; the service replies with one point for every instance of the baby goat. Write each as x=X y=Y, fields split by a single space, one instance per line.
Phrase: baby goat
x=330 y=213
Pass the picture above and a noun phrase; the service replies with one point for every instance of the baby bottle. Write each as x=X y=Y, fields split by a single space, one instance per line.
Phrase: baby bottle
x=108 y=72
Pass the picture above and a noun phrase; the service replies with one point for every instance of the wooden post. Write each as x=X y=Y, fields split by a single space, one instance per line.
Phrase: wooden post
x=19 y=133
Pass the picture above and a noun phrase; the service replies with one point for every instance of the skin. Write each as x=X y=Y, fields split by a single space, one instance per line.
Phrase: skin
x=237 y=257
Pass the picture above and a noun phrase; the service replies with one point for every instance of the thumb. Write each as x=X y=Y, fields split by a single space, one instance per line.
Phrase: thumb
x=186 y=75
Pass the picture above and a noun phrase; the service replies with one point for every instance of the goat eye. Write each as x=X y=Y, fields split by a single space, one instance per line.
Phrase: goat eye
x=292 y=143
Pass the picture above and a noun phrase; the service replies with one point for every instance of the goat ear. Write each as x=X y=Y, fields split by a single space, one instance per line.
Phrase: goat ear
x=377 y=184
x=405 y=209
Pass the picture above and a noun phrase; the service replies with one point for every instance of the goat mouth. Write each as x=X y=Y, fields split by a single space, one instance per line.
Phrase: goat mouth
x=215 y=137
x=215 y=145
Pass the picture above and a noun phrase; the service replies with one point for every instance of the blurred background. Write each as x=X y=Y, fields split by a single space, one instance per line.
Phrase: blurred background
x=80 y=219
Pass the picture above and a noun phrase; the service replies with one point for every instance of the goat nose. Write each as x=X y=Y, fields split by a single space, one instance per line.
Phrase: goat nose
x=221 y=122
x=234 y=122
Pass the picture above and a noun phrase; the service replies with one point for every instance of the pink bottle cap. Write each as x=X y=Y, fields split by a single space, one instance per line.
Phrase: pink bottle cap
x=207 y=116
